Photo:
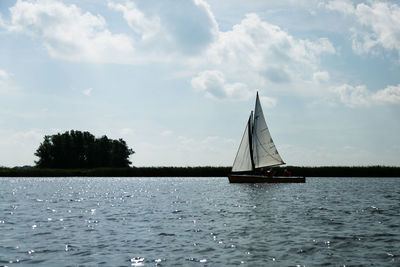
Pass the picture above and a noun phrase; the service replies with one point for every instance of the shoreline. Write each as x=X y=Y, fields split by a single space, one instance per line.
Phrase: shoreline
x=206 y=171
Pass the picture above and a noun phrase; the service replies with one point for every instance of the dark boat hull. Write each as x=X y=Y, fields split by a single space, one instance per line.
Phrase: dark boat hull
x=248 y=178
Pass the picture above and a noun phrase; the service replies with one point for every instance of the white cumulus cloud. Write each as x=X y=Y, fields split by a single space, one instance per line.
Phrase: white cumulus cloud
x=256 y=45
x=353 y=96
x=68 y=32
x=213 y=84
x=160 y=30
x=390 y=94
x=321 y=76
x=344 y=6
x=378 y=24
x=261 y=56
x=178 y=27
x=253 y=55
x=144 y=26
x=356 y=96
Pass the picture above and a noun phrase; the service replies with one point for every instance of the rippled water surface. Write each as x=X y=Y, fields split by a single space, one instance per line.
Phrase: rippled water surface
x=199 y=222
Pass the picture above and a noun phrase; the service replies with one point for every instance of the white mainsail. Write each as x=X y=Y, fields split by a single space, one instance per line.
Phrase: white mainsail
x=256 y=149
x=243 y=156
x=264 y=150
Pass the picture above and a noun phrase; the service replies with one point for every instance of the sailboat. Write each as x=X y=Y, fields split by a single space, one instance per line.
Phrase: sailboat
x=257 y=152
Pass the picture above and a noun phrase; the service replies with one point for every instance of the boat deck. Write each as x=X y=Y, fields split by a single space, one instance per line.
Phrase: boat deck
x=243 y=178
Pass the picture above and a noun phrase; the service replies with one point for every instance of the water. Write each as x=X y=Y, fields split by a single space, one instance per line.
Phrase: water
x=198 y=222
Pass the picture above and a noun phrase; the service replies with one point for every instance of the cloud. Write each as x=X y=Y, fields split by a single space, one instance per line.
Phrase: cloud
x=353 y=96
x=343 y=6
x=321 y=77
x=145 y=27
x=357 y=96
x=68 y=33
x=390 y=94
x=179 y=27
x=1 y=21
x=161 y=30
x=4 y=75
x=277 y=75
x=22 y=141
x=6 y=86
x=378 y=25
x=252 y=54
x=213 y=84
x=190 y=25
x=126 y=131
x=87 y=92
x=268 y=102
x=263 y=46
x=260 y=55
x=253 y=50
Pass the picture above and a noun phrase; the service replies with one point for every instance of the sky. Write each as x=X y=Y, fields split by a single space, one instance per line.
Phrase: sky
x=177 y=79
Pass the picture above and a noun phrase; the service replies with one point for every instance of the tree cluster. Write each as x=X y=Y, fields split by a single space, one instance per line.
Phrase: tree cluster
x=76 y=149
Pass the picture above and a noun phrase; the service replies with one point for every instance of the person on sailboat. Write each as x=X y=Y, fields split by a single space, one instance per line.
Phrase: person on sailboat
x=287 y=173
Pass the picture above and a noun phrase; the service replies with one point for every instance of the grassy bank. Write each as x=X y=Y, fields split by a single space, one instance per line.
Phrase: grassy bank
x=354 y=171
x=328 y=171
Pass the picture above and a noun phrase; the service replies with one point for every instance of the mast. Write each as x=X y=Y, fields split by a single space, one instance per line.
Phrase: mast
x=250 y=125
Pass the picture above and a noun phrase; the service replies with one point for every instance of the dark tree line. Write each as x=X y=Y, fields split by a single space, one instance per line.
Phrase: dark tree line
x=76 y=149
